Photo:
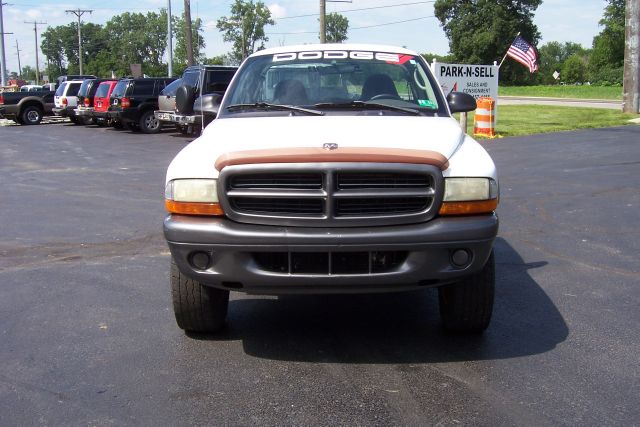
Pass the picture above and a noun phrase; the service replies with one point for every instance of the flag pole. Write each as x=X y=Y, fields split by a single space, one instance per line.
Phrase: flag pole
x=505 y=55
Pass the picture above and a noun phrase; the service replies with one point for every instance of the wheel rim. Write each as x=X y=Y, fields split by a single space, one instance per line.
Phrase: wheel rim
x=151 y=122
x=33 y=116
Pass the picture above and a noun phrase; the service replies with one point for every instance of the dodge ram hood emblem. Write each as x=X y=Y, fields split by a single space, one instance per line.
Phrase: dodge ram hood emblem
x=330 y=146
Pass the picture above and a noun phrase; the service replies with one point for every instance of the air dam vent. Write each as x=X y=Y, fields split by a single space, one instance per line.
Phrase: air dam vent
x=330 y=263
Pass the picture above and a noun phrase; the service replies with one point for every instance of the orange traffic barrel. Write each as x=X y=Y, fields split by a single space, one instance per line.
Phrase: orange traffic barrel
x=484 y=121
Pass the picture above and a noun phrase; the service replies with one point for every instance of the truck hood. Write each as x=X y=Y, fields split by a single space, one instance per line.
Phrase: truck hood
x=439 y=134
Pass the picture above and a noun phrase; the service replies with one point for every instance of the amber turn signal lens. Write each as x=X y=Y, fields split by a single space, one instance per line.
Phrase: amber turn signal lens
x=193 y=208
x=469 y=208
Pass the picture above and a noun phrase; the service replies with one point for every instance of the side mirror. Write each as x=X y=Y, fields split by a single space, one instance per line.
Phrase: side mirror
x=208 y=104
x=460 y=102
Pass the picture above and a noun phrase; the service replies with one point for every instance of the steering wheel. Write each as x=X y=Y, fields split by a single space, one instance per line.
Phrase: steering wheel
x=384 y=96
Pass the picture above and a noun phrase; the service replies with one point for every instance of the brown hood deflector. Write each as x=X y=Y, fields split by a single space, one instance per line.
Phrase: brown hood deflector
x=339 y=155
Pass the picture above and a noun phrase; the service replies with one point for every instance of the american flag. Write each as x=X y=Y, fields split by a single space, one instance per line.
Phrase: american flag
x=524 y=53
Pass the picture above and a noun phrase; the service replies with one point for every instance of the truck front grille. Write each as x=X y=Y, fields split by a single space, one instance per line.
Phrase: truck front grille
x=333 y=194
x=330 y=263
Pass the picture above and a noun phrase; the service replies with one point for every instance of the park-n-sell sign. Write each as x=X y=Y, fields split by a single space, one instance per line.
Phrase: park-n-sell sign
x=476 y=80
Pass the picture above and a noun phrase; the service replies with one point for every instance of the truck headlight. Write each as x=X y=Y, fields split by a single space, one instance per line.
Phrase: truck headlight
x=192 y=197
x=469 y=196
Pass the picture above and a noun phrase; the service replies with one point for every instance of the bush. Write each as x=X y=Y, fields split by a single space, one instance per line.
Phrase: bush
x=607 y=76
x=574 y=70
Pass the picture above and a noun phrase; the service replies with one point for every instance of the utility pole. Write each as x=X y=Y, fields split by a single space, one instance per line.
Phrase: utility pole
x=323 y=23
x=19 y=65
x=188 y=31
x=3 y=61
x=169 y=40
x=631 y=82
x=79 y=12
x=35 y=30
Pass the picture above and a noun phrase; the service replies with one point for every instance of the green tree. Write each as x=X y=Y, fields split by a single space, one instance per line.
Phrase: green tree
x=337 y=27
x=135 y=38
x=56 y=43
x=552 y=56
x=574 y=69
x=481 y=31
x=215 y=60
x=429 y=57
x=245 y=28
x=28 y=73
x=129 y=38
x=608 y=46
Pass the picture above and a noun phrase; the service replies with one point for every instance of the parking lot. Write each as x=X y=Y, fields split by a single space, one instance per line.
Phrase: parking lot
x=87 y=334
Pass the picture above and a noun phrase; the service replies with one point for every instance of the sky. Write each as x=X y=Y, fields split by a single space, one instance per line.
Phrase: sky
x=409 y=23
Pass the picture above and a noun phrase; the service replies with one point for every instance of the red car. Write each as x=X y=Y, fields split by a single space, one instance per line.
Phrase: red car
x=101 y=102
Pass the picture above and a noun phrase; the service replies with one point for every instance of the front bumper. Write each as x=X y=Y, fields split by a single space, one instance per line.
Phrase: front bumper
x=233 y=263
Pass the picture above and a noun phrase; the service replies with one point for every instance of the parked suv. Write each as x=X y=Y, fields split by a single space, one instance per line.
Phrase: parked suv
x=102 y=101
x=86 y=93
x=134 y=102
x=66 y=99
x=167 y=102
x=199 y=95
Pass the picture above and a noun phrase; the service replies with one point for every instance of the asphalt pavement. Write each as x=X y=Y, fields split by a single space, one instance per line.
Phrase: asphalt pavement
x=87 y=334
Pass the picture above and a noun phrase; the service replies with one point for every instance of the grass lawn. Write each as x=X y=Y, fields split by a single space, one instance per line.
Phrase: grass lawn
x=517 y=120
x=568 y=91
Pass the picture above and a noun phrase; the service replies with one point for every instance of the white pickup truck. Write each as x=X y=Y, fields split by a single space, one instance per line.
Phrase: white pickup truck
x=333 y=169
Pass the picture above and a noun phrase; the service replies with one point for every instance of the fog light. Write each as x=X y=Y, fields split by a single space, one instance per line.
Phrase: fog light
x=460 y=257
x=200 y=260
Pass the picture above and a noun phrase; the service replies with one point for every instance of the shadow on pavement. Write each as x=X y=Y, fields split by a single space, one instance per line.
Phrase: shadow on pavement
x=397 y=327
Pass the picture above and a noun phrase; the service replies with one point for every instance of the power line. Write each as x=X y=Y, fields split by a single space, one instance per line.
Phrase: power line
x=79 y=12
x=3 y=60
x=35 y=31
x=360 y=28
x=19 y=65
x=359 y=9
x=344 y=11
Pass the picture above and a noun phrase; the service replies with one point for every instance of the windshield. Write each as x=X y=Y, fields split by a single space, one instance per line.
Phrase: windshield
x=338 y=82
x=60 y=89
x=120 y=88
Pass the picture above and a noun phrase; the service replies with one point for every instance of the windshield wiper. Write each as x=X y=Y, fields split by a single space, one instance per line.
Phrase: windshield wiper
x=268 y=106
x=367 y=106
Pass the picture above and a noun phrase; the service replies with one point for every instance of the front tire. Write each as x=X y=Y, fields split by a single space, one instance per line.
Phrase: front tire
x=198 y=308
x=466 y=306
x=31 y=115
x=149 y=123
